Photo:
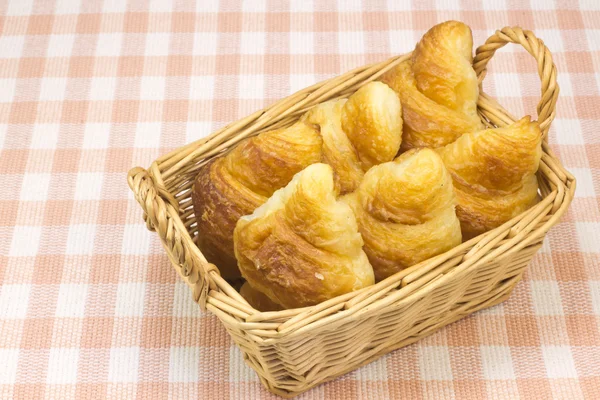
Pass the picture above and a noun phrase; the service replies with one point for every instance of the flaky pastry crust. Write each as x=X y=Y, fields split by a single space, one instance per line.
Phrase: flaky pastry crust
x=359 y=132
x=405 y=211
x=493 y=171
x=438 y=87
x=302 y=246
x=234 y=185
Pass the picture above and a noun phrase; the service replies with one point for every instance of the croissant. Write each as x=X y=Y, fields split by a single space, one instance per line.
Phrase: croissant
x=359 y=132
x=405 y=211
x=351 y=135
x=494 y=174
x=302 y=246
x=438 y=87
x=257 y=299
x=234 y=185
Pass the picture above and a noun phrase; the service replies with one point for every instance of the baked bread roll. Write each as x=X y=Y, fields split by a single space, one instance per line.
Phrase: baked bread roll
x=234 y=185
x=302 y=246
x=257 y=299
x=438 y=87
x=494 y=174
x=405 y=211
x=351 y=135
x=359 y=132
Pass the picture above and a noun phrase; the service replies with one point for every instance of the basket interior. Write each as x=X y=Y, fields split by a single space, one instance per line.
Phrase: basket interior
x=180 y=184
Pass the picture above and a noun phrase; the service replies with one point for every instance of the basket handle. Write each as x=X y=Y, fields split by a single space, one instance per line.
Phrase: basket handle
x=546 y=108
x=161 y=214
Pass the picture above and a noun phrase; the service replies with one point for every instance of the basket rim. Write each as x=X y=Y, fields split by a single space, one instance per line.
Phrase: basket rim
x=526 y=229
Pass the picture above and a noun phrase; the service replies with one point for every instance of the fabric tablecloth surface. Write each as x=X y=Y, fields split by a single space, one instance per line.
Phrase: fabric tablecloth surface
x=89 y=304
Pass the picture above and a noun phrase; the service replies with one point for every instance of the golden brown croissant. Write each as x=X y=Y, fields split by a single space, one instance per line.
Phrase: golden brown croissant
x=438 y=87
x=234 y=185
x=302 y=246
x=354 y=134
x=359 y=132
x=494 y=174
x=258 y=299
x=405 y=211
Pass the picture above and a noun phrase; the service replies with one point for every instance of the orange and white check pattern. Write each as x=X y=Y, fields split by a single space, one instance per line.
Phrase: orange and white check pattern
x=89 y=305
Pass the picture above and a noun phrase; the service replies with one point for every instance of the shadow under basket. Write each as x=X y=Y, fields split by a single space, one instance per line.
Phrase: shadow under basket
x=297 y=349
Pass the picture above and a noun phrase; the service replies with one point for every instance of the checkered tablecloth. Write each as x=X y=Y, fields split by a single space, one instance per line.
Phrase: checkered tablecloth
x=89 y=305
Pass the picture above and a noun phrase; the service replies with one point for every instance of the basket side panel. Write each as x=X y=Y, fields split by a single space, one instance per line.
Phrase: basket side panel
x=295 y=364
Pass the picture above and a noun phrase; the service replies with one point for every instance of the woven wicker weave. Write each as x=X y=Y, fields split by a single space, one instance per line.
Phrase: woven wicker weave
x=294 y=350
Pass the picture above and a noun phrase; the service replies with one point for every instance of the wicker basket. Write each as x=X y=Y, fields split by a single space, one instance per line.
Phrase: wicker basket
x=294 y=350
